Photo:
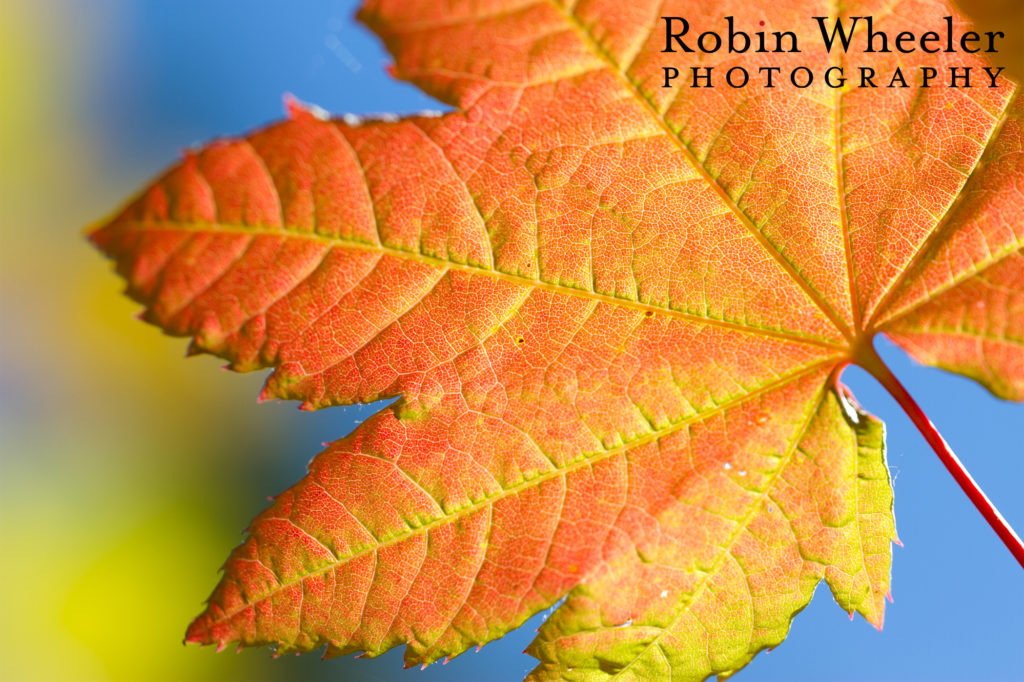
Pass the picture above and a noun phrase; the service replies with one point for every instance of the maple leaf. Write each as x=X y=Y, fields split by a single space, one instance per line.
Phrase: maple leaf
x=614 y=316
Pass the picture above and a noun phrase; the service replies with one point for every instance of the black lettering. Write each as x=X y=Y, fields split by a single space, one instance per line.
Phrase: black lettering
x=770 y=70
x=969 y=37
x=671 y=73
x=717 y=42
x=671 y=36
x=844 y=37
x=779 y=35
x=733 y=35
x=706 y=76
x=897 y=75
x=954 y=76
x=828 y=77
x=993 y=76
x=728 y=77
x=873 y=34
x=904 y=37
x=810 y=77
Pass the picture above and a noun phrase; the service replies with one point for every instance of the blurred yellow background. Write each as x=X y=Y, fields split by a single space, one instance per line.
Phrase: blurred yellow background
x=123 y=480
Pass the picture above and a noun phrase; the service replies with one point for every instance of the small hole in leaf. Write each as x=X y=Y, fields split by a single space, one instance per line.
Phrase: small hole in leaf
x=649 y=313
x=520 y=340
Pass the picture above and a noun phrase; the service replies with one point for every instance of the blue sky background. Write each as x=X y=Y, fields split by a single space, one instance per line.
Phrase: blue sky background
x=166 y=75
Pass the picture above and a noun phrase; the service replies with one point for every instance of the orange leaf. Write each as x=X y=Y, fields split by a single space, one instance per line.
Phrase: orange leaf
x=614 y=315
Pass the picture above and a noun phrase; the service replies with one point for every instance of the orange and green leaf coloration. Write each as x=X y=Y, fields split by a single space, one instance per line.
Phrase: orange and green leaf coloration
x=614 y=316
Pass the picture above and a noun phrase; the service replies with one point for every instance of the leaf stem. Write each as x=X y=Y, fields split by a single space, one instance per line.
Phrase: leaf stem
x=868 y=358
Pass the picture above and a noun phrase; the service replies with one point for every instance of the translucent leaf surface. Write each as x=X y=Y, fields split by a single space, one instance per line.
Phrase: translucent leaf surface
x=613 y=315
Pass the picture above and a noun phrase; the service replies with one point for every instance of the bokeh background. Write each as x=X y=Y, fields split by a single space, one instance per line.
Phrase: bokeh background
x=127 y=473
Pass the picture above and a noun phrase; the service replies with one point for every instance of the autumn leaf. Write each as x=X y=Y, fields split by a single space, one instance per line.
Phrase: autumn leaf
x=614 y=316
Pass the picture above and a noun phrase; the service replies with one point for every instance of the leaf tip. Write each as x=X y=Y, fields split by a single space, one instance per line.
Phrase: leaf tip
x=297 y=110
x=189 y=160
x=197 y=633
x=332 y=650
x=92 y=232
